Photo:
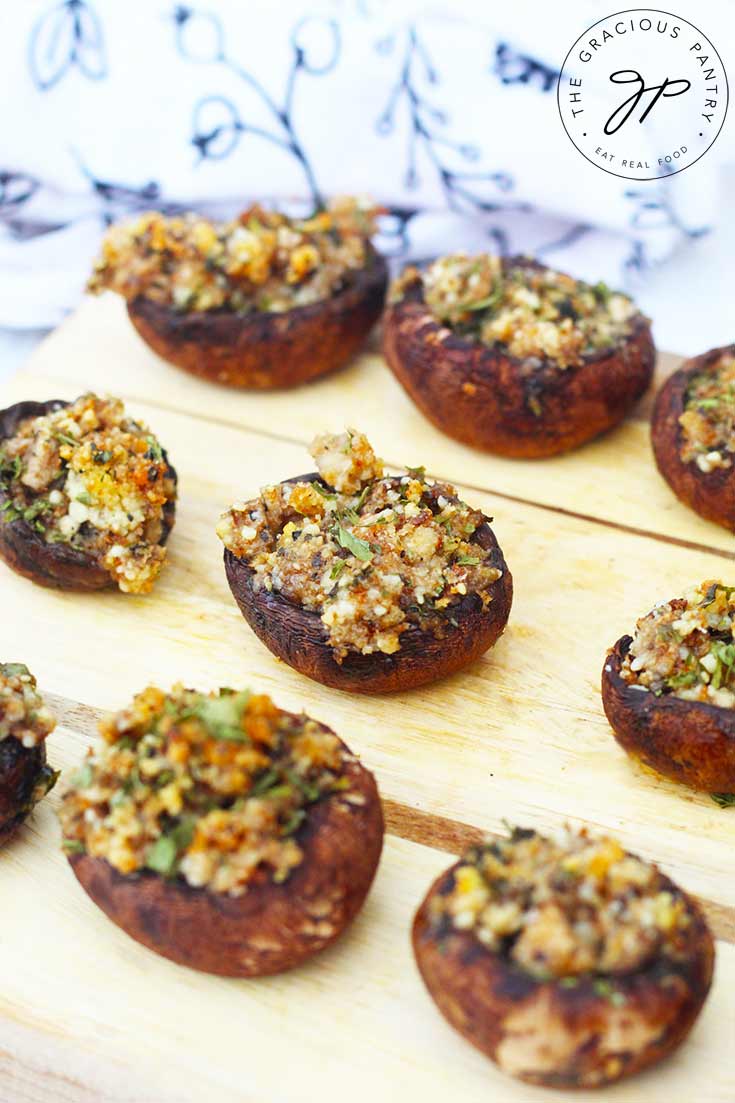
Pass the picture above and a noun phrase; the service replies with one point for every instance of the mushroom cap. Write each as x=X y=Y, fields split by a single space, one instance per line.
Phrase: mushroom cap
x=265 y=350
x=20 y=770
x=689 y=741
x=270 y=927
x=710 y=494
x=59 y=566
x=550 y=1034
x=480 y=395
x=298 y=637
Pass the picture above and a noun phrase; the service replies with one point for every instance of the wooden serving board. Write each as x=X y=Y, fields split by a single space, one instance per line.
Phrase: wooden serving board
x=593 y=539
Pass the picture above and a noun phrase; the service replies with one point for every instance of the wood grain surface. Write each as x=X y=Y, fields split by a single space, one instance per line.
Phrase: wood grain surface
x=593 y=539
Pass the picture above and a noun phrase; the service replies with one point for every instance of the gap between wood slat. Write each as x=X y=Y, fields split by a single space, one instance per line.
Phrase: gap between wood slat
x=412 y=824
x=282 y=438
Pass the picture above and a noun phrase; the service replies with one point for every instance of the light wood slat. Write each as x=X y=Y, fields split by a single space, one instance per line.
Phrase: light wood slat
x=409 y=823
x=86 y=1014
x=520 y=735
x=613 y=478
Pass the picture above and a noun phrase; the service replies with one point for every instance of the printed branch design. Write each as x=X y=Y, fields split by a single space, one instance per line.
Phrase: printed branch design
x=427 y=133
x=68 y=34
x=217 y=123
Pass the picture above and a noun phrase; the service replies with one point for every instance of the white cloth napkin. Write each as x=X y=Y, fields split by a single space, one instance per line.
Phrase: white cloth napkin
x=445 y=113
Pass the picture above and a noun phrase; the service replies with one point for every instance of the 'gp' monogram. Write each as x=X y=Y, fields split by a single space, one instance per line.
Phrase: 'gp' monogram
x=631 y=76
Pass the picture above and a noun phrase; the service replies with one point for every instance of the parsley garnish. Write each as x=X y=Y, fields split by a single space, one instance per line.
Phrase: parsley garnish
x=223 y=715
x=320 y=489
x=724 y=800
x=359 y=548
x=468 y=560
x=82 y=779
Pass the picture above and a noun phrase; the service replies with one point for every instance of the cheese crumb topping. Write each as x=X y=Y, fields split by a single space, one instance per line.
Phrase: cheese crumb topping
x=532 y=312
x=207 y=787
x=372 y=554
x=23 y=714
x=564 y=909
x=685 y=647
x=708 y=421
x=89 y=476
x=261 y=261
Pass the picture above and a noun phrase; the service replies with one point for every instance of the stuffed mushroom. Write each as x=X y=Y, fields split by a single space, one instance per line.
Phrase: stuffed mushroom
x=693 y=434
x=510 y=356
x=571 y=964
x=87 y=495
x=669 y=690
x=366 y=581
x=25 y=722
x=263 y=301
x=222 y=832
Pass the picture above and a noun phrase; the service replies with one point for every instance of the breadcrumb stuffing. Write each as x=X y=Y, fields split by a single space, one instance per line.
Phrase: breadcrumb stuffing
x=207 y=787
x=23 y=714
x=708 y=421
x=685 y=647
x=89 y=476
x=564 y=909
x=372 y=554
x=261 y=261
x=532 y=312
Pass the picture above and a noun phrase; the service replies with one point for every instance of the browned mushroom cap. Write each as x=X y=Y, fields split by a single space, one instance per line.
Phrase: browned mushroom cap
x=297 y=635
x=265 y=350
x=59 y=565
x=710 y=494
x=558 y=1035
x=483 y=397
x=689 y=741
x=271 y=927
x=24 y=774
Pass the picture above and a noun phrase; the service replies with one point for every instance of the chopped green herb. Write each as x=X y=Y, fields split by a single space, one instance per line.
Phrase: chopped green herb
x=311 y=792
x=223 y=715
x=604 y=987
x=161 y=857
x=294 y=821
x=724 y=800
x=361 y=500
x=39 y=506
x=601 y=291
x=265 y=782
x=418 y=473
x=155 y=452
x=85 y=498
x=468 y=560
x=321 y=489
x=359 y=548
x=64 y=438
x=337 y=567
x=492 y=300
x=82 y=779
x=72 y=846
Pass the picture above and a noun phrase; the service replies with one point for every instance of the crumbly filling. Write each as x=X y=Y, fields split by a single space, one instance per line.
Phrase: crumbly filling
x=23 y=715
x=372 y=554
x=564 y=909
x=262 y=261
x=535 y=314
x=206 y=787
x=708 y=421
x=685 y=647
x=89 y=476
